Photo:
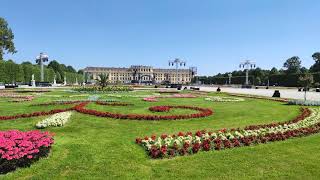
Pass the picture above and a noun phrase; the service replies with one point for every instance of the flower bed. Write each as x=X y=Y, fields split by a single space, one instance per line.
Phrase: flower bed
x=34 y=114
x=97 y=89
x=59 y=119
x=58 y=103
x=160 y=108
x=259 y=97
x=20 y=149
x=150 y=99
x=308 y=122
x=80 y=107
x=16 y=97
x=130 y=95
x=203 y=112
x=223 y=99
x=303 y=103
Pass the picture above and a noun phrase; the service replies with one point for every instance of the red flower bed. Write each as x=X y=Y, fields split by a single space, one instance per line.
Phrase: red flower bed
x=203 y=112
x=80 y=107
x=16 y=97
x=160 y=108
x=20 y=149
x=219 y=144
x=34 y=114
x=57 y=103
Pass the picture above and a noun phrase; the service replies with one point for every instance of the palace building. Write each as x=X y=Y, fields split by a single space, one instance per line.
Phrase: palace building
x=142 y=74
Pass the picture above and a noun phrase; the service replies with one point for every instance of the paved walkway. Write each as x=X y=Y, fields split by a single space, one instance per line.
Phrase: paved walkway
x=285 y=93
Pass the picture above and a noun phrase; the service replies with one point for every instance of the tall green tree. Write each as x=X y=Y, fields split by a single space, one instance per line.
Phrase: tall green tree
x=2 y=71
x=6 y=39
x=316 y=57
x=306 y=81
x=293 y=65
x=274 y=71
x=316 y=66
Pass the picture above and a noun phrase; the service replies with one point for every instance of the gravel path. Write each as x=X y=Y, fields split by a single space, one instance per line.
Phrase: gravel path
x=285 y=93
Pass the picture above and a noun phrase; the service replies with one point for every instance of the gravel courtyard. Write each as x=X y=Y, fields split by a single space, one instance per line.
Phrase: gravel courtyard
x=285 y=93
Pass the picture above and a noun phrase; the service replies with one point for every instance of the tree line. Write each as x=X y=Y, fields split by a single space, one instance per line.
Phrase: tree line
x=11 y=72
x=287 y=76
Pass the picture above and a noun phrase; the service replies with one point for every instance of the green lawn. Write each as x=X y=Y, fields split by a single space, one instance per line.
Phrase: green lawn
x=103 y=148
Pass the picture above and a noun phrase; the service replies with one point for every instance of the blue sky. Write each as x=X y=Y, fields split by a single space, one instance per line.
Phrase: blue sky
x=213 y=35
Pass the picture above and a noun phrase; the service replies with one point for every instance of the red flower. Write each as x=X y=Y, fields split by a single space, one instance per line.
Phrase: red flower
x=196 y=147
x=138 y=140
x=153 y=137
x=163 y=136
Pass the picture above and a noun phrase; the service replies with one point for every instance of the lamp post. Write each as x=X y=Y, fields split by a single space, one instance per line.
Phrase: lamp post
x=40 y=60
x=247 y=65
x=230 y=76
x=177 y=62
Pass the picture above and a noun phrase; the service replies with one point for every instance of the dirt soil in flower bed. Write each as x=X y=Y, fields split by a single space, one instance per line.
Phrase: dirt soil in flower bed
x=91 y=147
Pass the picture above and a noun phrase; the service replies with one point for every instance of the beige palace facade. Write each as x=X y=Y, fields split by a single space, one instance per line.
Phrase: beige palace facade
x=143 y=74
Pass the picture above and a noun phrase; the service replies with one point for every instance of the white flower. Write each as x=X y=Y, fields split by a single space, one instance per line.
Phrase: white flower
x=58 y=119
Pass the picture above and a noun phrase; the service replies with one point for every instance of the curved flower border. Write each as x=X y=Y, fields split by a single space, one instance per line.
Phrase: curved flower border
x=166 y=146
x=203 y=112
x=80 y=107
x=16 y=97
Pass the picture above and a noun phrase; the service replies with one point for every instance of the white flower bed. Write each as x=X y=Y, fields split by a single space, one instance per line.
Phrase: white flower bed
x=169 y=141
x=223 y=99
x=59 y=119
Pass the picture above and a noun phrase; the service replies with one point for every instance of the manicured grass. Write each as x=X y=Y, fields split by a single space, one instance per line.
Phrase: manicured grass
x=103 y=148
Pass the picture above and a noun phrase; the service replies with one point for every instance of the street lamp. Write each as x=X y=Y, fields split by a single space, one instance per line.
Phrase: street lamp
x=247 y=65
x=177 y=62
x=230 y=76
x=40 y=60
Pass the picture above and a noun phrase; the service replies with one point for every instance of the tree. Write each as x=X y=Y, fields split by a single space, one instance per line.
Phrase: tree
x=274 y=71
x=2 y=71
x=103 y=80
x=306 y=81
x=71 y=69
x=54 y=65
x=6 y=39
x=293 y=65
x=303 y=70
x=316 y=66
x=27 y=71
x=316 y=57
